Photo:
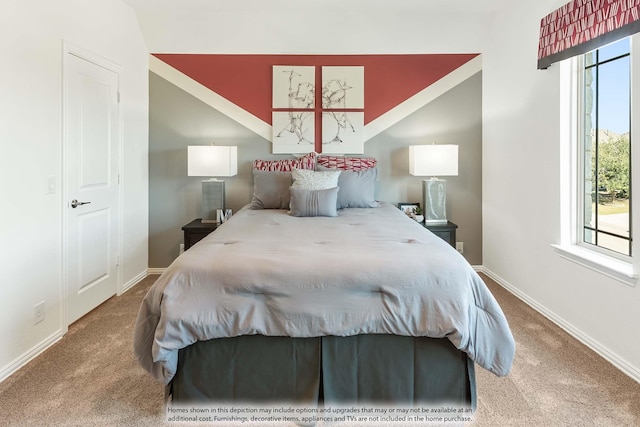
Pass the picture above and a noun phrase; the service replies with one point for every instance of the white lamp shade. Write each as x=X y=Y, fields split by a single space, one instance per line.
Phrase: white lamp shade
x=433 y=160
x=212 y=160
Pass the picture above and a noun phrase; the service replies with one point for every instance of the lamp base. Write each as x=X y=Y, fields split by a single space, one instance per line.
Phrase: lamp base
x=435 y=201
x=212 y=201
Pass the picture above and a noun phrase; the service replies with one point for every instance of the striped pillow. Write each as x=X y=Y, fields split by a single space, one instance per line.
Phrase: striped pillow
x=308 y=161
x=313 y=202
x=347 y=163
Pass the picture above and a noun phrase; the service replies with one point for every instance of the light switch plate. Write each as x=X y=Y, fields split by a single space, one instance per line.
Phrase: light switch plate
x=51 y=184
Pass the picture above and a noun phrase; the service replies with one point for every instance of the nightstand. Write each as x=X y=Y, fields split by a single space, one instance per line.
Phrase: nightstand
x=195 y=231
x=446 y=232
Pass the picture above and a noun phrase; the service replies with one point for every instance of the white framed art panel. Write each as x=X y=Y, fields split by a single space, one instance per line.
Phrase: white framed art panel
x=293 y=132
x=342 y=132
x=294 y=86
x=342 y=87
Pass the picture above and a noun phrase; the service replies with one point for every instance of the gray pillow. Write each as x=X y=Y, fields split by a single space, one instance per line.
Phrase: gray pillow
x=357 y=189
x=271 y=189
x=314 y=202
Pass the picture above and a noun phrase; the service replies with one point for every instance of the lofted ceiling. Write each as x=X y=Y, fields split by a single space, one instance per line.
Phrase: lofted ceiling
x=313 y=26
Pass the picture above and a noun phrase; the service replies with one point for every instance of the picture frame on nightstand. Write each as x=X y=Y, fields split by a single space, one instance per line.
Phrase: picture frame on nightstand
x=408 y=207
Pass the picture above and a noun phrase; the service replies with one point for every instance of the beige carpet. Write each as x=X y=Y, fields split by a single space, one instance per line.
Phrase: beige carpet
x=90 y=378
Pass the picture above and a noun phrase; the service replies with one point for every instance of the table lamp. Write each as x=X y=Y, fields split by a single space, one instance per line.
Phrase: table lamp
x=434 y=160
x=213 y=161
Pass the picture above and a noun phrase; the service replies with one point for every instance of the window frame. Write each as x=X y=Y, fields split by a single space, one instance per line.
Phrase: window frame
x=582 y=161
x=622 y=268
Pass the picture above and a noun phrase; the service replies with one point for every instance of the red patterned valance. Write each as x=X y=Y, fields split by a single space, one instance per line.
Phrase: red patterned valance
x=583 y=25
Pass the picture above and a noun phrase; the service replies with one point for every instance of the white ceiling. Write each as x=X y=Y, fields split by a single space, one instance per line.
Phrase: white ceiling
x=312 y=26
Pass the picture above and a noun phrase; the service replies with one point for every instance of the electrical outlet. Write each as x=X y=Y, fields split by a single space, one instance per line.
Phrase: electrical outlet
x=460 y=247
x=39 y=313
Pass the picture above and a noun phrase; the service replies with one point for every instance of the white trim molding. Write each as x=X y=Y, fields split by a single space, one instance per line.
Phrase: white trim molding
x=611 y=267
x=31 y=354
x=131 y=283
x=584 y=338
x=37 y=350
x=380 y=124
x=422 y=98
x=209 y=97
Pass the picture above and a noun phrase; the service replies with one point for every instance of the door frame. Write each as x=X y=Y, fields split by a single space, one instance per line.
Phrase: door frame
x=68 y=49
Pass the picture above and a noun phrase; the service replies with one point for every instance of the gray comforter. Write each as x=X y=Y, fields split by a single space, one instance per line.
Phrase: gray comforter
x=367 y=271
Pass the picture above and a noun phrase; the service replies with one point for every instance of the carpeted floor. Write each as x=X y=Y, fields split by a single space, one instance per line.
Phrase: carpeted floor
x=555 y=379
x=90 y=377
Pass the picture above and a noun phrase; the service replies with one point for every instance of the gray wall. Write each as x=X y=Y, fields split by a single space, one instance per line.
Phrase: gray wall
x=177 y=120
x=453 y=118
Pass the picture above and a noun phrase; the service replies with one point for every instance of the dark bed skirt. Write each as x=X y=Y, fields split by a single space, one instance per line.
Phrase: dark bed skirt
x=382 y=369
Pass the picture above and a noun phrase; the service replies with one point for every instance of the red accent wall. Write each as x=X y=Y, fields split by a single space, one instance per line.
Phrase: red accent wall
x=246 y=80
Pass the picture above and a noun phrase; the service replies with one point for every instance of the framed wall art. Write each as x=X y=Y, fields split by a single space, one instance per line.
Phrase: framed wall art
x=333 y=123
x=342 y=132
x=342 y=87
x=294 y=87
x=293 y=132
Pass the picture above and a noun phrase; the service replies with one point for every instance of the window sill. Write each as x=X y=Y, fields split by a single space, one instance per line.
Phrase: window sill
x=619 y=270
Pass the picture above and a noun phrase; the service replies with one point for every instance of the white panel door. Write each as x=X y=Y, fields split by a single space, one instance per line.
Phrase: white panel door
x=92 y=142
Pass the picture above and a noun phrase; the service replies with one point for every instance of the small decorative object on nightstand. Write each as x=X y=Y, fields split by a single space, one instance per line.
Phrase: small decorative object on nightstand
x=197 y=230
x=418 y=214
x=446 y=232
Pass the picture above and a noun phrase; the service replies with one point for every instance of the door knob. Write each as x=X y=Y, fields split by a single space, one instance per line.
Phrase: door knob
x=75 y=203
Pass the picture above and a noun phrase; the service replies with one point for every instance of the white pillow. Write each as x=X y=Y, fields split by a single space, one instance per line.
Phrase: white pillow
x=314 y=180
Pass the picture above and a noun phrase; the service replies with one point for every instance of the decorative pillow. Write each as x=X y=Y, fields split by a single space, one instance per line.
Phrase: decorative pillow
x=357 y=189
x=313 y=202
x=271 y=190
x=315 y=180
x=308 y=161
x=347 y=163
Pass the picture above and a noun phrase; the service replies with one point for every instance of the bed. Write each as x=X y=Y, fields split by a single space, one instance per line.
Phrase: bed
x=356 y=304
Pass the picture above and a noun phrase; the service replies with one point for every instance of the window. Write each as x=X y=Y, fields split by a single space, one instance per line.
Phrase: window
x=604 y=142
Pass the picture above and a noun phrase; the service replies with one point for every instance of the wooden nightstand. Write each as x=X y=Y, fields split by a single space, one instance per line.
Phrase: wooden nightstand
x=446 y=232
x=195 y=231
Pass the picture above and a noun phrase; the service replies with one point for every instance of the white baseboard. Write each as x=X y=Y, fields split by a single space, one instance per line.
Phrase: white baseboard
x=131 y=283
x=584 y=338
x=31 y=354
x=38 y=349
